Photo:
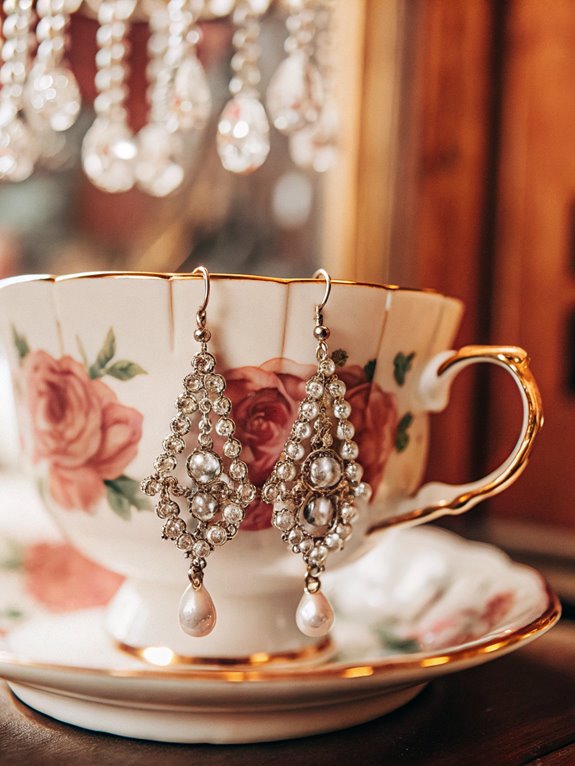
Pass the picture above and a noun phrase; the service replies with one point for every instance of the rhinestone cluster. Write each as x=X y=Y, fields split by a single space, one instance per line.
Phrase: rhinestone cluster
x=315 y=483
x=217 y=490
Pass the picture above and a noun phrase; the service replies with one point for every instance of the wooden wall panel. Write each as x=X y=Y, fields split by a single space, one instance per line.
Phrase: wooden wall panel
x=534 y=291
x=442 y=195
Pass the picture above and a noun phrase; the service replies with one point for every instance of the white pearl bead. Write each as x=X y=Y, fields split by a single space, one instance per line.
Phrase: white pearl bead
x=314 y=615
x=197 y=612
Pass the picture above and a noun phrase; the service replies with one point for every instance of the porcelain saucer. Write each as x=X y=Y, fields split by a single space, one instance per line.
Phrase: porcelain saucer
x=422 y=603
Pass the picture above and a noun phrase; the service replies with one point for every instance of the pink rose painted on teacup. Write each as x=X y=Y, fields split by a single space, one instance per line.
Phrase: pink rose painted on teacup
x=79 y=429
x=60 y=579
x=265 y=403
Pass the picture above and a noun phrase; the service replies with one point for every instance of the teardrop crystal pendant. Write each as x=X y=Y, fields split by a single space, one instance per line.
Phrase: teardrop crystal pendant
x=315 y=147
x=316 y=482
x=243 y=135
x=204 y=512
x=295 y=93
x=191 y=100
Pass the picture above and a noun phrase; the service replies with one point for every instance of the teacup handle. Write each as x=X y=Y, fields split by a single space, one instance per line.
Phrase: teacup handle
x=437 y=499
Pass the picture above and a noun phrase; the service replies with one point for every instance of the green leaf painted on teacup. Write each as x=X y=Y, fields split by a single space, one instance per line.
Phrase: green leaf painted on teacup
x=401 y=433
x=401 y=366
x=391 y=640
x=12 y=558
x=20 y=344
x=124 y=494
x=105 y=355
x=369 y=369
x=124 y=370
x=340 y=357
x=82 y=351
x=11 y=613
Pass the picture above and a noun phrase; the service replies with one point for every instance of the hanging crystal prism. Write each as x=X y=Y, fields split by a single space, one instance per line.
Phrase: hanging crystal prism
x=243 y=129
x=294 y=96
x=217 y=491
x=316 y=482
x=109 y=149
x=314 y=147
x=18 y=146
x=52 y=95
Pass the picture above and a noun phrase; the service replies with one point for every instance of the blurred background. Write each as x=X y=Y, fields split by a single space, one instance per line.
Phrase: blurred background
x=455 y=171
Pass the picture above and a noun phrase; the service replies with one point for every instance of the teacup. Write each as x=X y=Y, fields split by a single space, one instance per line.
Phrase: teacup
x=98 y=361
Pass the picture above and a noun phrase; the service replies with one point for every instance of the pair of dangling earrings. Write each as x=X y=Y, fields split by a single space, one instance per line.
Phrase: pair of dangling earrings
x=312 y=486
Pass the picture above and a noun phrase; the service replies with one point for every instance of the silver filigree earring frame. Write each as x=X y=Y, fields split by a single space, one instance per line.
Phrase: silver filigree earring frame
x=217 y=491
x=314 y=484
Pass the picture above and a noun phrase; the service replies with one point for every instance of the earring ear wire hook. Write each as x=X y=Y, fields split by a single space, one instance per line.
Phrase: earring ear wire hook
x=201 y=313
x=316 y=275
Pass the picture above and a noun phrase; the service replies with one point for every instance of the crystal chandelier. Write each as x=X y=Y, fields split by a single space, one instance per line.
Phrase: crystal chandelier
x=41 y=97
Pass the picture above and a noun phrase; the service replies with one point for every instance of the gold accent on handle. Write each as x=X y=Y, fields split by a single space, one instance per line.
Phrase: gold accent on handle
x=516 y=361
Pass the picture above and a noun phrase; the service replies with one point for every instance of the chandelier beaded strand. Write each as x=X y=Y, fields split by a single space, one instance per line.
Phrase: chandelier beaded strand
x=317 y=480
x=217 y=491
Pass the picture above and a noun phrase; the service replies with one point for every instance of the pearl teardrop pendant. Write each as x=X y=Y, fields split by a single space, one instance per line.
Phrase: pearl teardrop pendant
x=314 y=615
x=197 y=612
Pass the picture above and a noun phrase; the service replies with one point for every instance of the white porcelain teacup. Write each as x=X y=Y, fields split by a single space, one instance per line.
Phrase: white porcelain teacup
x=98 y=361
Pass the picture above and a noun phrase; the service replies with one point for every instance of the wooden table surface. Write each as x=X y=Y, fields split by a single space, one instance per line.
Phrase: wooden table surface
x=516 y=710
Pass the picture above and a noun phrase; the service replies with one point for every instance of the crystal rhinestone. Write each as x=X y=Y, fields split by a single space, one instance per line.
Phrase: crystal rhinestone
x=349 y=450
x=193 y=382
x=344 y=531
x=354 y=471
x=314 y=615
x=348 y=513
x=238 y=470
x=18 y=148
x=187 y=404
x=345 y=429
x=314 y=389
x=159 y=169
x=336 y=388
x=270 y=492
x=232 y=513
x=319 y=554
x=309 y=410
x=283 y=520
x=173 y=444
x=295 y=537
x=165 y=463
x=185 y=542
x=180 y=425
x=204 y=466
x=174 y=527
x=318 y=514
x=294 y=450
x=222 y=405
x=243 y=135
x=201 y=549
x=217 y=535
x=332 y=541
x=295 y=93
x=341 y=409
x=204 y=506
x=302 y=430
x=232 y=448
x=167 y=508
x=364 y=491
x=327 y=367
x=286 y=471
x=204 y=362
x=247 y=493
x=316 y=146
x=197 y=612
x=225 y=427
x=150 y=486
x=305 y=546
x=324 y=471
x=191 y=101
x=109 y=155
x=215 y=382
x=52 y=97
